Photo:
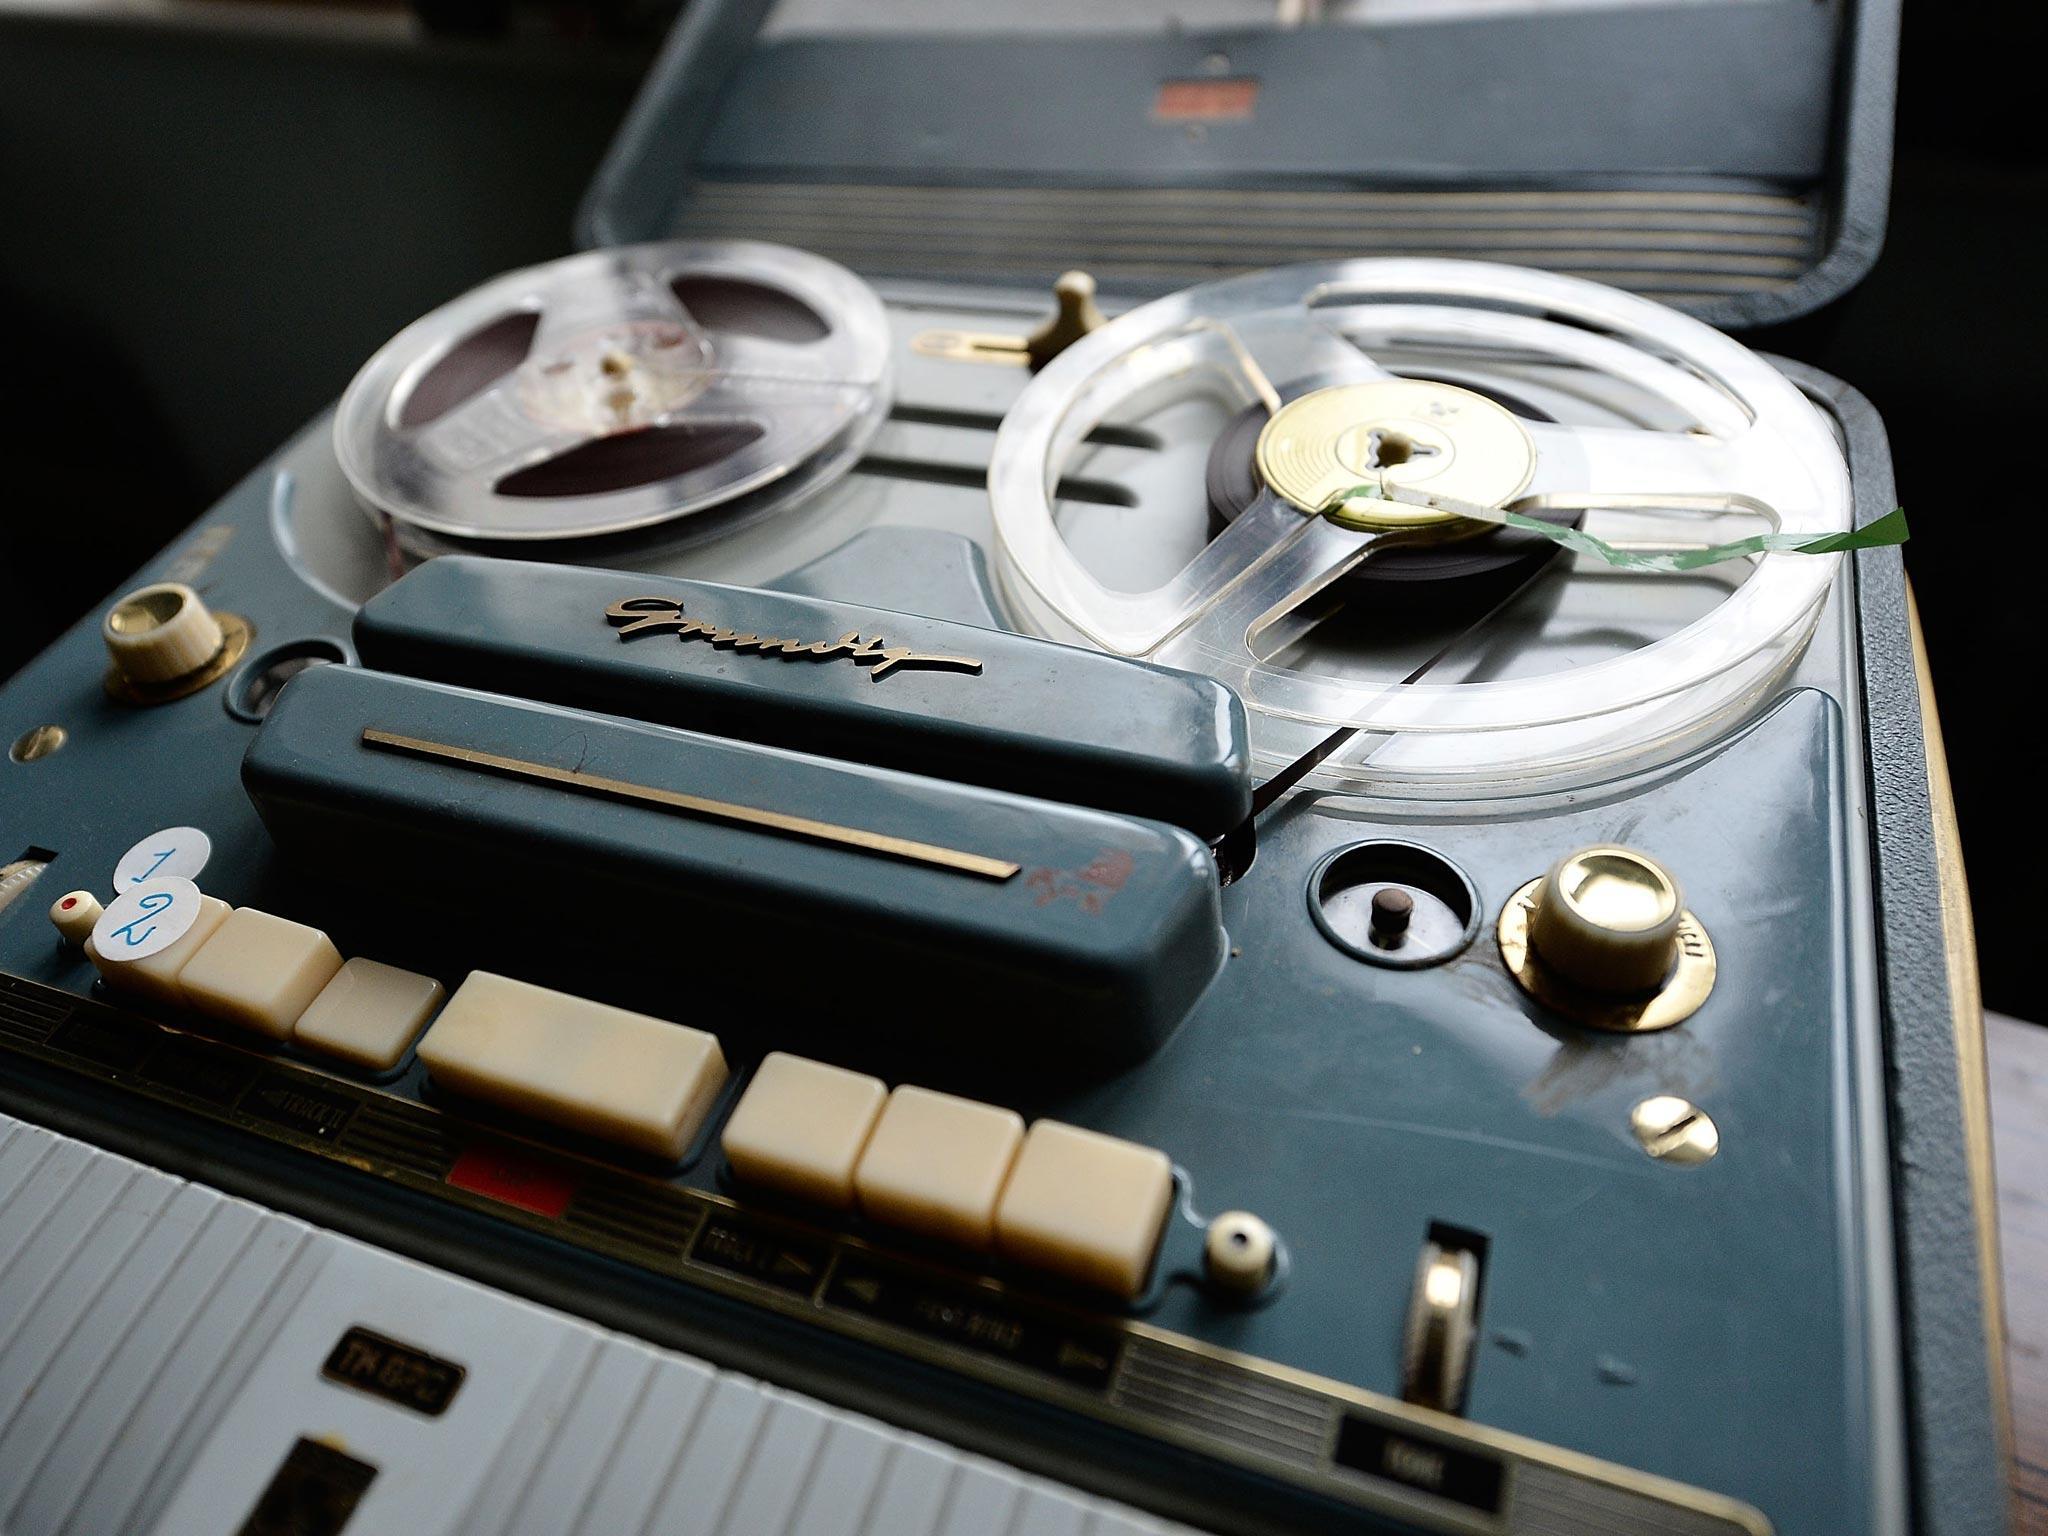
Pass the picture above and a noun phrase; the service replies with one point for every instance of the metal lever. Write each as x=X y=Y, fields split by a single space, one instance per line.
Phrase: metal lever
x=1075 y=316
x=1443 y=1326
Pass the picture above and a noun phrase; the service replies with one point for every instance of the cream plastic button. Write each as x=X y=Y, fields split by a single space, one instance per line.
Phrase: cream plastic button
x=155 y=973
x=800 y=1127
x=368 y=1014
x=936 y=1165
x=160 y=632
x=1606 y=919
x=622 y=1077
x=1085 y=1206
x=259 y=971
x=74 y=913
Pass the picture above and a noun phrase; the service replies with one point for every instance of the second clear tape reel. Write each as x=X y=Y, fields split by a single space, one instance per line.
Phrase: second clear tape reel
x=1491 y=668
x=616 y=391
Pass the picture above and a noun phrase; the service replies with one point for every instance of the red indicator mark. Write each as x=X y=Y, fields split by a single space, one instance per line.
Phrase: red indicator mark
x=513 y=1177
x=1089 y=888
x=1206 y=101
x=68 y=903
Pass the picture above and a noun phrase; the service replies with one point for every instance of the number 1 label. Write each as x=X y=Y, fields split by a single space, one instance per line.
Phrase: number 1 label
x=180 y=851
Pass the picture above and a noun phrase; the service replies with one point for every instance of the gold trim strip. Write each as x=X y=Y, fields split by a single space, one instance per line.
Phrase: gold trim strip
x=1966 y=1001
x=881 y=844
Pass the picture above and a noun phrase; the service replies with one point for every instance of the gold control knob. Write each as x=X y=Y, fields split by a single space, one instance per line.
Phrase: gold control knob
x=166 y=643
x=159 y=633
x=1606 y=919
x=74 y=913
x=1239 y=1254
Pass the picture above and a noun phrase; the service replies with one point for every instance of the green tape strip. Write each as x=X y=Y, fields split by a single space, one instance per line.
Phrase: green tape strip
x=1884 y=532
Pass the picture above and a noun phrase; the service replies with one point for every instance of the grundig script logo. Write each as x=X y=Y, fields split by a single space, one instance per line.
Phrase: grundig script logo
x=638 y=616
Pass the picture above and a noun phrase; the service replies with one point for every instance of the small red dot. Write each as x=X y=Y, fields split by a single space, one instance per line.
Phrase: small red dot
x=70 y=902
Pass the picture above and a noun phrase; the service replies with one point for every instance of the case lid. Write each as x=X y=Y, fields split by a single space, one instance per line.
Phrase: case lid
x=1730 y=157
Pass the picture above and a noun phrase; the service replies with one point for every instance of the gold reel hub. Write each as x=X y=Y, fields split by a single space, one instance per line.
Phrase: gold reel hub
x=1434 y=438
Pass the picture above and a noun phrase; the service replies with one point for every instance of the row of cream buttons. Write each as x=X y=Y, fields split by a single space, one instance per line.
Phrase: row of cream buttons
x=1069 y=1201
x=602 y=1072
x=284 y=980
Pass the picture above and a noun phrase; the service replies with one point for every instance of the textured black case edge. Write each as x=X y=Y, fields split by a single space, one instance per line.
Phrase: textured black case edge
x=1859 y=194
x=1958 y=1476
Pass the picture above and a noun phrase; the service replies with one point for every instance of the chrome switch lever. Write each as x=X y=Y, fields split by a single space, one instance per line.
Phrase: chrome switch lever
x=1443 y=1326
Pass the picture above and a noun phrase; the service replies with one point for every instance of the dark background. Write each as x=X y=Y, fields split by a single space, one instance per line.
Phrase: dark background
x=295 y=201
x=1948 y=336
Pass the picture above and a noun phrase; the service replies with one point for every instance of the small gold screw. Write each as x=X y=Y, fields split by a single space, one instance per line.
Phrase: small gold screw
x=37 y=742
x=1675 y=1130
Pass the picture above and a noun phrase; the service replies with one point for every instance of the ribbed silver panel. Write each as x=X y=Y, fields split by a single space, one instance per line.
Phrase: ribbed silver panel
x=1216 y=1398
x=1677 y=246
x=161 y=1345
x=132 y=1307
x=1548 y=1503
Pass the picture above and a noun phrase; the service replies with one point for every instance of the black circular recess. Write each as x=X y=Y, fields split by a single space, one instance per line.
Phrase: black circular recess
x=1499 y=560
x=252 y=690
x=1394 y=904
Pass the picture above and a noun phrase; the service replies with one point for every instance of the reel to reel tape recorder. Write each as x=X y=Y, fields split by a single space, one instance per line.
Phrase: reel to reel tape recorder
x=1074 y=891
x=1156 y=491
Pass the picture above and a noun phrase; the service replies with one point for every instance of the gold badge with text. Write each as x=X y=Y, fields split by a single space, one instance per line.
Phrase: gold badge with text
x=637 y=616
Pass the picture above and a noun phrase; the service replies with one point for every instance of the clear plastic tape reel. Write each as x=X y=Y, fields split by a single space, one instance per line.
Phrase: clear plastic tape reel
x=1755 y=448
x=602 y=347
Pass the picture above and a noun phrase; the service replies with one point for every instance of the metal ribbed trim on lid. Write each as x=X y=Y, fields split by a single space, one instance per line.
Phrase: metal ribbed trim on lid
x=1678 y=246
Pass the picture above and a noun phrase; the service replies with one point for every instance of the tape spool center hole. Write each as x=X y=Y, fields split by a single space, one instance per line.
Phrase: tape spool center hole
x=1385 y=448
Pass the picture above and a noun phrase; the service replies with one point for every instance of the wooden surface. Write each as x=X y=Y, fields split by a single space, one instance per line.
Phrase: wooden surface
x=2019 y=1132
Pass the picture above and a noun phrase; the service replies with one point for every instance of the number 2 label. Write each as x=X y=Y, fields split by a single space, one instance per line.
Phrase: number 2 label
x=147 y=919
x=152 y=903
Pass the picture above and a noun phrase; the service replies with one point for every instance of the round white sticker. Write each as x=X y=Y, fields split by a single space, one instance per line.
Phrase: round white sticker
x=146 y=918
x=181 y=851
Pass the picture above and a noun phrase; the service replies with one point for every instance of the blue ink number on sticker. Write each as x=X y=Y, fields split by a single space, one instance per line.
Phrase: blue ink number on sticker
x=151 y=904
x=159 y=864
